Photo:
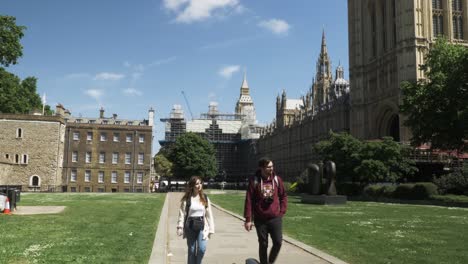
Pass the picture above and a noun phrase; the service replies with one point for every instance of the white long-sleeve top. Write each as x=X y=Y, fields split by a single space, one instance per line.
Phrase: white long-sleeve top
x=198 y=209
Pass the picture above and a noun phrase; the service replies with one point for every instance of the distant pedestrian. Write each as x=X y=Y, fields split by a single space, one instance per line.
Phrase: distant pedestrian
x=195 y=221
x=265 y=204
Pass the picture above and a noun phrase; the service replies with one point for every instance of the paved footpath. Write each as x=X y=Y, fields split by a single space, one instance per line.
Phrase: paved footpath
x=230 y=244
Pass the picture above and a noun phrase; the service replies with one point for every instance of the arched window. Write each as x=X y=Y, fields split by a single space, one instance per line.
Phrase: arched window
x=19 y=133
x=35 y=181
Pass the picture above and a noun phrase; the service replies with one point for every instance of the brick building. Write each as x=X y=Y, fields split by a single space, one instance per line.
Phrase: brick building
x=107 y=154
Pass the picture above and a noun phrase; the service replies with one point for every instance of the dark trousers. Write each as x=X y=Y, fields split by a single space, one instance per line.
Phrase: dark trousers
x=274 y=227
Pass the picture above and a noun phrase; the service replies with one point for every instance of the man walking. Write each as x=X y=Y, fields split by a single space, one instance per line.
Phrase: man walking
x=265 y=204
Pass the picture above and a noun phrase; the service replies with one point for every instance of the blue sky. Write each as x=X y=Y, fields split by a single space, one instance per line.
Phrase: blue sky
x=128 y=56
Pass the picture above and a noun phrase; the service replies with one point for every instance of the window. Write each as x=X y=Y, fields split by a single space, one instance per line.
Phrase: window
x=115 y=158
x=457 y=19
x=100 y=189
x=373 y=32
x=17 y=160
x=7 y=156
x=74 y=156
x=100 y=176
x=76 y=135
x=102 y=157
x=127 y=177
x=103 y=137
x=126 y=189
x=141 y=138
x=87 y=176
x=105 y=122
x=92 y=121
x=116 y=137
x=87 y=189
x=73 y=176
x=437 y=18
x=89 y=136
x=129 y=138
x=88 y=157
x=25 y=159
x=19 y=133
x=72 y=189
x=35 y=181
x=128 y=158
x=140 y=177
x=140 y=158
x=114 y=177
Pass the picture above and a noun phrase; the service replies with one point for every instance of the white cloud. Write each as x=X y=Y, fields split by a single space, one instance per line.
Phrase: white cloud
x=228 y=71
x=132 y=91
x=188 y=11
x=77 y=75
x=163 y=61
x=108 y=76
x=94 y=93
x=277 y=26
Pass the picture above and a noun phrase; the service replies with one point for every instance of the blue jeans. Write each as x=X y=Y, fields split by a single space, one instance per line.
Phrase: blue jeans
x=196 y=246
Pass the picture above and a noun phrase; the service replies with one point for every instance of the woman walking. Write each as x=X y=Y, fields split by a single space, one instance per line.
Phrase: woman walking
x=195 y=222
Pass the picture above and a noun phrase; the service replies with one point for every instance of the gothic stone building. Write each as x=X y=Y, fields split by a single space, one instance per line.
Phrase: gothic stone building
x=300 y=123
x=107 y=154
x=31 y=151
x=387 y=44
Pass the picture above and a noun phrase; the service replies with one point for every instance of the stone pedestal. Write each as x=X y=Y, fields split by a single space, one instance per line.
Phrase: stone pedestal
x=323 y=199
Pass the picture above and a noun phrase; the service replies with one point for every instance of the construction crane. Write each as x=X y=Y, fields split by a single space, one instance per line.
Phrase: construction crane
x=188 y=105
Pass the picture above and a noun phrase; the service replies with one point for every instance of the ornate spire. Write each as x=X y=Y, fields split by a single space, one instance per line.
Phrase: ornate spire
x=244 y=82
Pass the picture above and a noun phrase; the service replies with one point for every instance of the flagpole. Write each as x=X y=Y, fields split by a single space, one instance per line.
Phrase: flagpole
x=43 y=103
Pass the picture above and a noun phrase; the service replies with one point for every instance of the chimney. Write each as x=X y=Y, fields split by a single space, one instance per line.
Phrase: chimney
x=59 y=110
x=101 y=112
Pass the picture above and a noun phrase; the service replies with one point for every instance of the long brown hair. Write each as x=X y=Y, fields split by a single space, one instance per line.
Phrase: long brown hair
x=189 y=190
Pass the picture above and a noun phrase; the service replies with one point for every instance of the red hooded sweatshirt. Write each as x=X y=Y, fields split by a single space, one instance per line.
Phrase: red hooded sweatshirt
x=265 y=198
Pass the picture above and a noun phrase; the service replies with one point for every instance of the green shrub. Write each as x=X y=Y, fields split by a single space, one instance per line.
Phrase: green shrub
x=379 y=191
x=403 y=191
x=372 y=191
x=453 y=183
x=349 y=188
x=415 y=191
x=424 y=190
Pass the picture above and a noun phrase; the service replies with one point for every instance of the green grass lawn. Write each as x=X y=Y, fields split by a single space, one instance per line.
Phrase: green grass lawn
x=367 y=232
x=94 y=228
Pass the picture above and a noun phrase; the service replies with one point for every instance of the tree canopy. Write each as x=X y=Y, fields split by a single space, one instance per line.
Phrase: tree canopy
x=10 y=35
x=16 y=96
x=193 y=155
x=437 y=107
x=162 y=165
x=366 y=161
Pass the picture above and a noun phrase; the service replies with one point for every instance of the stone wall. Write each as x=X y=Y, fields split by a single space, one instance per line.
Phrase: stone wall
x=31 y=146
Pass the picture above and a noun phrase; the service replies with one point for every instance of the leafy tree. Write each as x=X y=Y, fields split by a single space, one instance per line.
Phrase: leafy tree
x=16 y=96
x=437 y=107
x=366 y=162
x=371 y=171
x=343 y=149
x=10 y=35
x=392 y=155
x=162 y=165
x=193 y=155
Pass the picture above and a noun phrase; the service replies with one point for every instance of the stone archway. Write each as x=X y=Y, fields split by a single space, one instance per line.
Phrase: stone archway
x=394 y=127
x=388 y=123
